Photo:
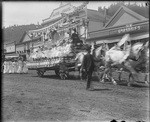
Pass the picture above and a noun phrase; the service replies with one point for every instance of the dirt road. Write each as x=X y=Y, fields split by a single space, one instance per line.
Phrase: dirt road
x=27 y=97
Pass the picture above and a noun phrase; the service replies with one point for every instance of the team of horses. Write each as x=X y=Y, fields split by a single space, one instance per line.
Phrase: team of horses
x=133 y=59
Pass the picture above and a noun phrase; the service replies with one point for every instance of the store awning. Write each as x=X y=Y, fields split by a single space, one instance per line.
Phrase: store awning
x=136 y=36
x=19 y=48
x=139 y=36
x=11 y=55
x=38 y=44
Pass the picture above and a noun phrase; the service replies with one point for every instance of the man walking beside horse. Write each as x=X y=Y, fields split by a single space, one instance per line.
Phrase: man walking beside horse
x=88 y=67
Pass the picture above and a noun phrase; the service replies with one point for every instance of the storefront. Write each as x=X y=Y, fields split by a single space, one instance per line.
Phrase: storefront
x=10 y=49
x=11 y=55
x=26 y=45
x=123 y=22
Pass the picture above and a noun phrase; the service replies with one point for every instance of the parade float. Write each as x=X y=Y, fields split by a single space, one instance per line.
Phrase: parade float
x=59 y=47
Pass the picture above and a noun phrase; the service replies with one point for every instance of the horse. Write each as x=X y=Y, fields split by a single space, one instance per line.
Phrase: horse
x=79 y=59
x=130 y=60
x=99 y=61
x=98 y=56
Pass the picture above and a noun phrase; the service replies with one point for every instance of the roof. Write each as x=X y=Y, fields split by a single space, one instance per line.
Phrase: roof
x=96 y=15
x=120 y=12
x=57 y=9
x=24 y=34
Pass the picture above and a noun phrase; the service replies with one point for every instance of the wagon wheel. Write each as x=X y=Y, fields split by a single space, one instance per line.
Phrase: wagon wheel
x=57 y=72
x=63 y=76
x=40 y=73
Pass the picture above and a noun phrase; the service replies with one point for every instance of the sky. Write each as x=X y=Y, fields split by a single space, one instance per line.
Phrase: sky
x=24 y=13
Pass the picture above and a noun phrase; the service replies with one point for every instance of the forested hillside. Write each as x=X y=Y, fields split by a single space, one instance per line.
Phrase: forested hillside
x=14 y=33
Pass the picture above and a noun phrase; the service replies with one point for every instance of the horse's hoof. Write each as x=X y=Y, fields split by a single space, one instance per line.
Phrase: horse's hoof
x=114 y=82
x=102 y=81
x=129 y=84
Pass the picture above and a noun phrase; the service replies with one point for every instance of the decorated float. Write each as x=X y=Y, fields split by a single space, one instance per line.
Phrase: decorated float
x=61 y=43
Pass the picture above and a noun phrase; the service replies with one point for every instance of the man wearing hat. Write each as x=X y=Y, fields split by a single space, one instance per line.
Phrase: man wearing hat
x=75 y=37
x=88 y=67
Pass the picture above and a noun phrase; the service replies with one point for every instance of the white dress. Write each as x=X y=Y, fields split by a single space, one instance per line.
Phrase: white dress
x=10 y=67
x=4 y=67
x=16 y=68
x=7 y=67
x=13 y=66
x=25 y=69
x=19 y=67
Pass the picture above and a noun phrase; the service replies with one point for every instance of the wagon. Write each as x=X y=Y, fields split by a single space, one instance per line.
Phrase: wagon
x=61 y=65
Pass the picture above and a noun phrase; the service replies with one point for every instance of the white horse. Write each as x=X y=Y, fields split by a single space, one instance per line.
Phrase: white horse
x=98 y=55
x=79 y=59
x=130 y=60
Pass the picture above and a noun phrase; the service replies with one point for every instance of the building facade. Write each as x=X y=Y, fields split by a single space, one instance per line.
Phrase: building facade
x=10 y=50
x=55 y=22
x=124 y=21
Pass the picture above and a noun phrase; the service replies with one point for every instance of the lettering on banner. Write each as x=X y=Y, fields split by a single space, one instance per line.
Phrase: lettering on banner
x=129 y=28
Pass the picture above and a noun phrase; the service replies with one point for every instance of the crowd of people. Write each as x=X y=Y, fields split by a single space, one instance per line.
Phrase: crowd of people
x=13 y=65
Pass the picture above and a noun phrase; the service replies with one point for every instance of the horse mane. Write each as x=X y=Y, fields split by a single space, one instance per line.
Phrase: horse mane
x=138 y=43
x=97 y=51
x=142 y=60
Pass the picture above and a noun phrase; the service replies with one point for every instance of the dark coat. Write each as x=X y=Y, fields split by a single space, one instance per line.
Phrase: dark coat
x=75 y=38
x=88 y=62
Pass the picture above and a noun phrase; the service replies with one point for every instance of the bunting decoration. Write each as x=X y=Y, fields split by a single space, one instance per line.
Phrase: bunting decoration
x=58 y=24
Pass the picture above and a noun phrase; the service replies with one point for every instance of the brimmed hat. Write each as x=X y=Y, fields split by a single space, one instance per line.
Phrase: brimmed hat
x=87 y=47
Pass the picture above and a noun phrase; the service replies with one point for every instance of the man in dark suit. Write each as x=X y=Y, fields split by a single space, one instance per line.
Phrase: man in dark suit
x=75 y=37
x=88 y=67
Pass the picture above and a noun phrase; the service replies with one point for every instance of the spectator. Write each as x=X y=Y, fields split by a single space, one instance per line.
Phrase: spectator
x=5 y=67
x=10 y=67
x=25 y=69
x=20 y=66
x=13 y=66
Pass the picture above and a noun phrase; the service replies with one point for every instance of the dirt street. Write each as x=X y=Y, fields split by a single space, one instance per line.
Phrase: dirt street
x=27 y=97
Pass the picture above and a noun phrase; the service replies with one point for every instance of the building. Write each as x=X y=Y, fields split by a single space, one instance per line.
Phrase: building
x=10 y=50
x=33 y=39
x=77 y=16
x=26 y=44
x=124 y=21
x=96 y=18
